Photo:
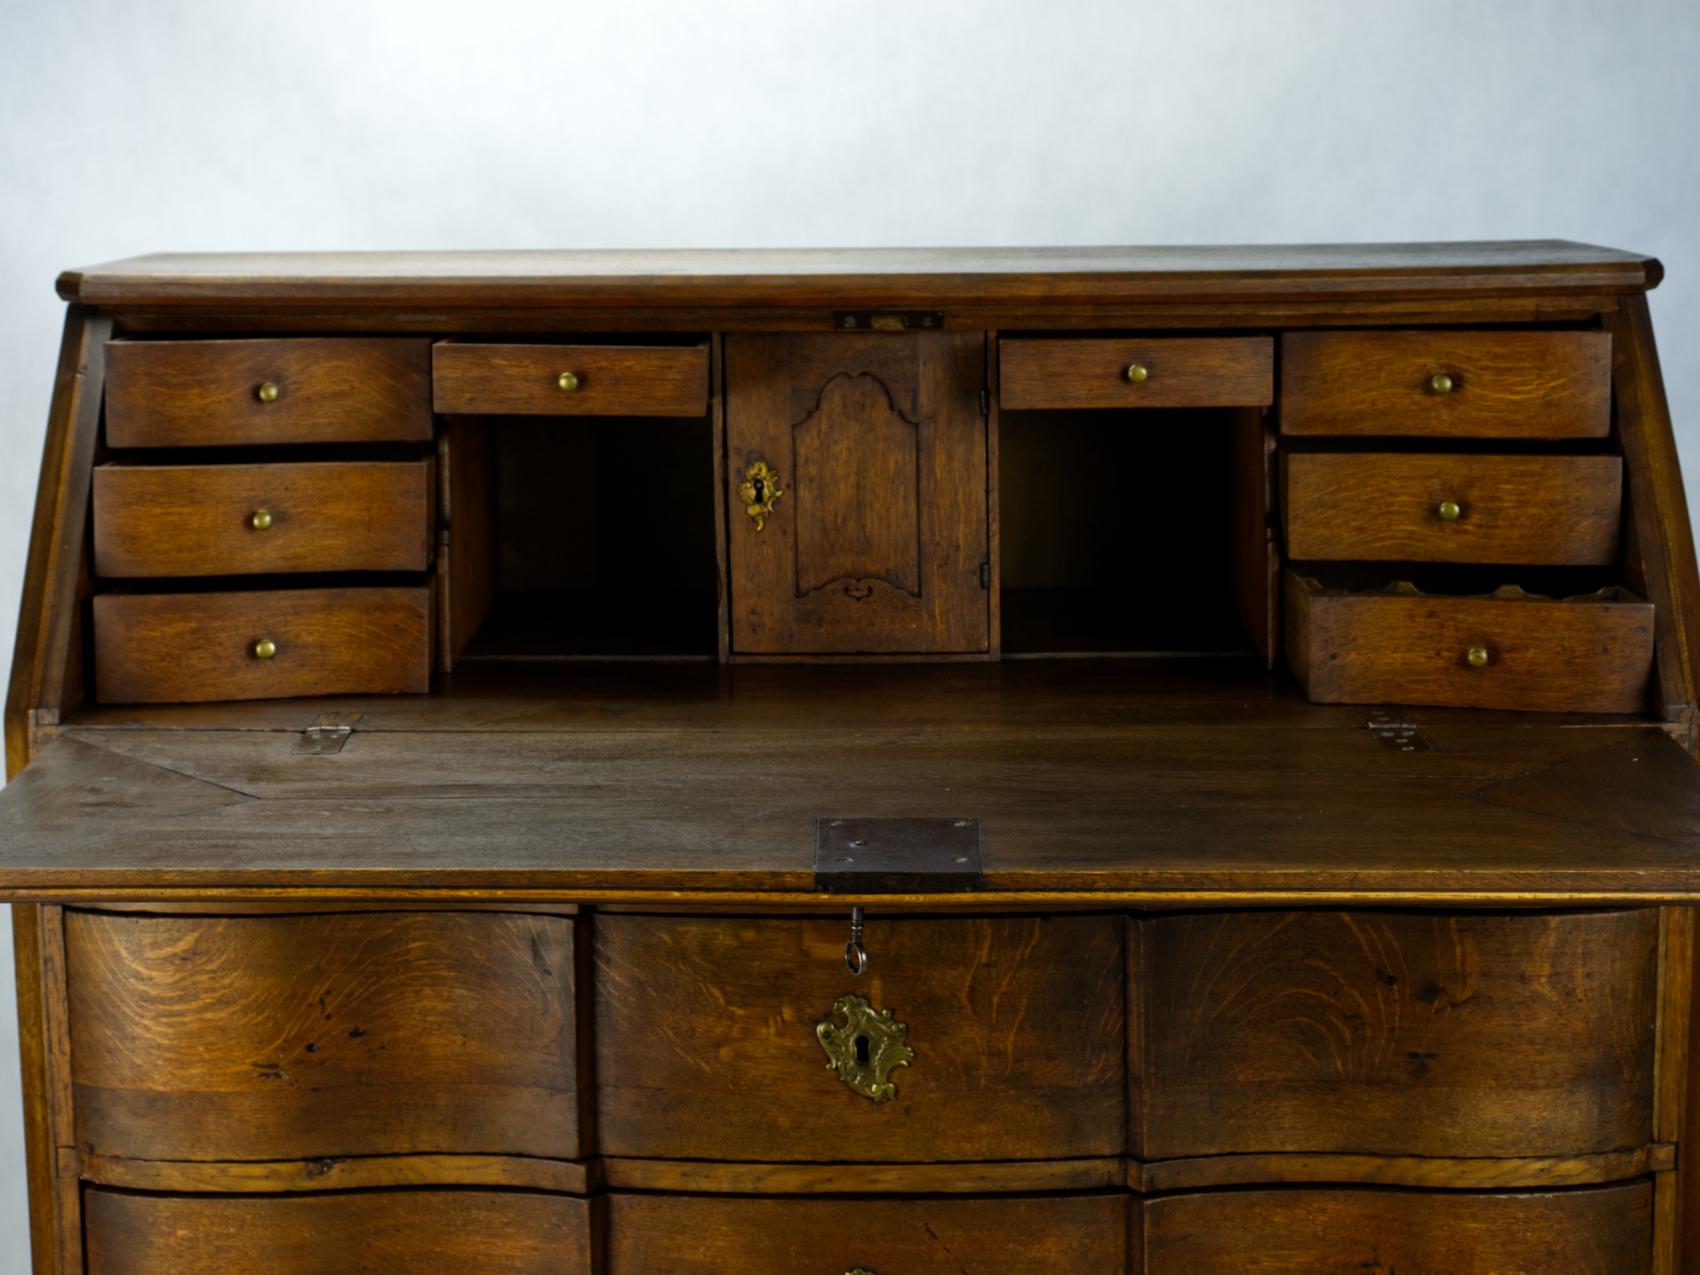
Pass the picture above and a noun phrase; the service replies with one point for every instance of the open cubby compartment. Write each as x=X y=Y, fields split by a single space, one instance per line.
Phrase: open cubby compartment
x=1136 y=532
x=583 y=537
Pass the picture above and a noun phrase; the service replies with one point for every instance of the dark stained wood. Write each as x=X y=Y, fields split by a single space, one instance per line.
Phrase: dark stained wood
x=270 y=1038
x=173 y=647
x=196 y=520
x=1399 y=1033
x=376 y=1233
x=1016 y=1024
x=950 y=1178
x=861 y=279
x=205 y=393
x=1321 y=1231
x=1256 y=554
x=466 y=558
x=705 y=1235
x=1672 y=1080
x=1590 y=654
x=1450 y=1173
x=1504 y=384
x=339 y=1173
x=1561 y=510
x=469 y=378
x=878 y=541
x=1181 y=372
x=38 y=1074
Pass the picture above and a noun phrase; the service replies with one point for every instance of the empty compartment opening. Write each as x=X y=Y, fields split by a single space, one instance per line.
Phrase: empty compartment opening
x=602 y=537
x=1118 y=530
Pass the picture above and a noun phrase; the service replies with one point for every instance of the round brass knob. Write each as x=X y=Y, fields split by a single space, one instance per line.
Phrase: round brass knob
x=1448 y=511
x=1138 y=374
x=260 y=520
x=264 y=649
x=1440 y=383
x=567 y=381
x=267 y=392
x=1477 y=657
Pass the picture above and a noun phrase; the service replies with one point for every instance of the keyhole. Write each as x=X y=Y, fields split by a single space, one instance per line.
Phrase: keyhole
x=863 y=1053
x=760 y=489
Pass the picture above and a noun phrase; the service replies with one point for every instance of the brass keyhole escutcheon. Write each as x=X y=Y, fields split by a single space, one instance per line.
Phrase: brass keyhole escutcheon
x=760 y=491
x=866 y=1048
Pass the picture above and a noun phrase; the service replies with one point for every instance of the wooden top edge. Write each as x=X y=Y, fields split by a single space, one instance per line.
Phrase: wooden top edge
x=861 y=276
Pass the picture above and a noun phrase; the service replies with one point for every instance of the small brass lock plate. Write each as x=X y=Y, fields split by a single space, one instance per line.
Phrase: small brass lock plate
x=865 y=1048
x=760 y=491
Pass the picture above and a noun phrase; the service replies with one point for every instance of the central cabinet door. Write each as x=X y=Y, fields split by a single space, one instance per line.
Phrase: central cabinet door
x=858 y=475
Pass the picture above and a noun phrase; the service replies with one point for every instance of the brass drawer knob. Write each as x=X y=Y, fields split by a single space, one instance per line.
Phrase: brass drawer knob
x=264 y=649
x=1448 y=511
x=260 y=520
x=866 y=1048
x=1138 y=374
x=1440 y=383
x=1477 y=657
x=567 y=382
x=267 y=392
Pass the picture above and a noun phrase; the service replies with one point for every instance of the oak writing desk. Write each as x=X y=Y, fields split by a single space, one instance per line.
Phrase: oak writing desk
x=1113 y=760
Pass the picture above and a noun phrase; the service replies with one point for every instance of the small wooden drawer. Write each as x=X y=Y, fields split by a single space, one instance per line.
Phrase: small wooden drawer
x=375 y=1233
x=249 y=1038
x=710 y=1235
x=1015 y=1024
x=211 y=520
x=1399 y=1033
x=288 y=390
x=1236 y=371
x=152 y=648
x=1350 y=1230
x=1505 y=650
x=570 y=380
x=1391 y=507
x=1447 y=384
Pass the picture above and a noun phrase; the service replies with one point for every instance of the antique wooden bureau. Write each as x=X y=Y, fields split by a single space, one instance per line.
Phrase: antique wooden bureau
x=859 y=763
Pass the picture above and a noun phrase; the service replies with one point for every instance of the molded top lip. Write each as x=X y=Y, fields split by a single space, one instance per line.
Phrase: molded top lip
x=792 y=278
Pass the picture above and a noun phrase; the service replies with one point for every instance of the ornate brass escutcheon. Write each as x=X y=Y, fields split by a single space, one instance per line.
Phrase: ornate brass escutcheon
x=866 y=1049
x=759 y=491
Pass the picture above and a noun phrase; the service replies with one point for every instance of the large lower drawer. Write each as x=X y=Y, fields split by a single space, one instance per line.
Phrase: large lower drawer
x=283 y=1037
x=373 y=1233
x=154 y=648
x=709 y=1039
x=1351 y=1231
x=713 y=1235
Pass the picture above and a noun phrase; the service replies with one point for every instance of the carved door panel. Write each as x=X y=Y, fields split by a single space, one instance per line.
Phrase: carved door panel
x=857 y=467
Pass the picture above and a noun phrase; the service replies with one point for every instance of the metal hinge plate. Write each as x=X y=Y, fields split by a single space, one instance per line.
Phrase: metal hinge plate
x=897 y=856
x=1397 y=733
x=327 y=734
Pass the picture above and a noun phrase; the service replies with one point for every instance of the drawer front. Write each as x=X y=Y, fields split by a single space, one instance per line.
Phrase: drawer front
x=187 y=647
x=1491 y=384
x=294 y=1037
x=210 y=520
x=1478 y=652
x=1347 y=1231
x=570 y=380
x=709 y=1235
x=290 y=390
x=376 y=1233
x=1137 y=372
x=1399 y=1033
x=707 y=1044
x=1529 y=510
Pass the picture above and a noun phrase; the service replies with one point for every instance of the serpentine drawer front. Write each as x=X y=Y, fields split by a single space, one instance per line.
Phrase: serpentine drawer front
x=1095 y=761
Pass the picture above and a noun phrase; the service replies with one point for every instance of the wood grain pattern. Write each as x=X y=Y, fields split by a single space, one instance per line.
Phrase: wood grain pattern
x=878 y=542
x=1451 y=1173
x=1582 y=655
x=339 y=1173
x=1320 y=1231
x=1399 y=1034
x=1091 y=372
x=377 y=1233
x=177 y=647
x=1255 y=545
x=331 y=390
x=1016 y=1024
x=1036 y=1235
x=270 y=1038
x=467 y=549
x=473 y=379
x=1504 y=384
x=194 y=520
x=1560 y=510
x=952 y=1178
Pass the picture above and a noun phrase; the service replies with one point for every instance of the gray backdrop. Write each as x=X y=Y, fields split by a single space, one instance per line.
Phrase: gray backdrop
x=232 y=124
